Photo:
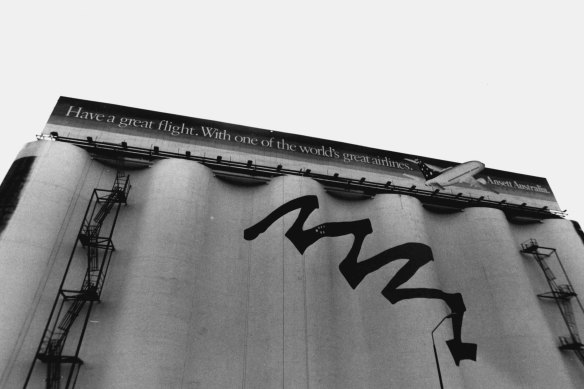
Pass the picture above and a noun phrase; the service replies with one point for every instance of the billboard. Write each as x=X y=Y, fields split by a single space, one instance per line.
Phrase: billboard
x=471 y=178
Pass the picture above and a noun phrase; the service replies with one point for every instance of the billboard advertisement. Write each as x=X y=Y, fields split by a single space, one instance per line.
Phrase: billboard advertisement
x=422 y=171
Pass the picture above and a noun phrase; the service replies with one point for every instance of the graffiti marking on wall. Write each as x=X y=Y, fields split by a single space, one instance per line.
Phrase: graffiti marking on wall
x=417 y=254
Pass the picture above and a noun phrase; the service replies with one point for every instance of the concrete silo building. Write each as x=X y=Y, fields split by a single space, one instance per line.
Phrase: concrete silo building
x=140 y=249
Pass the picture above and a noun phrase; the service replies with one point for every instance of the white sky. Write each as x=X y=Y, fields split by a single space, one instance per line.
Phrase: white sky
x=499 y=81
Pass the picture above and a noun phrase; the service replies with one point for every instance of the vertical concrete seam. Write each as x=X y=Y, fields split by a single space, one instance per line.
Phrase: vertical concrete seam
x=247 y=304
x=304 y=285
x=283 y=239
x=190 y=336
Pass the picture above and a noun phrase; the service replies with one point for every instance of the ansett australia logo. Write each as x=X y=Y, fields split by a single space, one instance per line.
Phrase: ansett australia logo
x=516 y=185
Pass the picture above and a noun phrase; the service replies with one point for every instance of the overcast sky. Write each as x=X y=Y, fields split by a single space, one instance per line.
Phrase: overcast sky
x=499 y=81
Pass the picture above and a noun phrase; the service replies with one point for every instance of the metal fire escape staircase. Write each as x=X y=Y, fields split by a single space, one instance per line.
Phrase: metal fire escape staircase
x=69 y=303
x=562 y=294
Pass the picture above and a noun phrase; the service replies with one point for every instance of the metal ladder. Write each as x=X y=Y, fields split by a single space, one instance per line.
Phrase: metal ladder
x=70 y=303
x=562 y=294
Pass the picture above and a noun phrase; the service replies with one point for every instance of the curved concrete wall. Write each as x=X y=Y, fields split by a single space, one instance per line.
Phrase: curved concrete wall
x=189 y=302
x=481 y=259
x=30 y=246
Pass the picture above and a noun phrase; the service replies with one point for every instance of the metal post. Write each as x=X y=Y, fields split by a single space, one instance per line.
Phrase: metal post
x=436 y=353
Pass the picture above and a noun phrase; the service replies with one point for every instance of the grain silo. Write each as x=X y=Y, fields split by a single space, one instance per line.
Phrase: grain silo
x=141 y=249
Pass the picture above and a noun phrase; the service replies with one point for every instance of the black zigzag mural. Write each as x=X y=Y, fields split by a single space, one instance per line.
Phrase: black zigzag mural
x=417 y=255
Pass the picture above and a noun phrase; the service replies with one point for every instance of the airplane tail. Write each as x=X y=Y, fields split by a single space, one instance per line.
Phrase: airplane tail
x=427 y=171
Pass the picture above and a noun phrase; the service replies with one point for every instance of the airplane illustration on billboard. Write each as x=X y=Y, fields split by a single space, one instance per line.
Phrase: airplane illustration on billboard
x=443 y=177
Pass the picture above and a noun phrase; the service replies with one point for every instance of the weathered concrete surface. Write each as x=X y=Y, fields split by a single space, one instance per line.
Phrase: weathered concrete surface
x=189 y=303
